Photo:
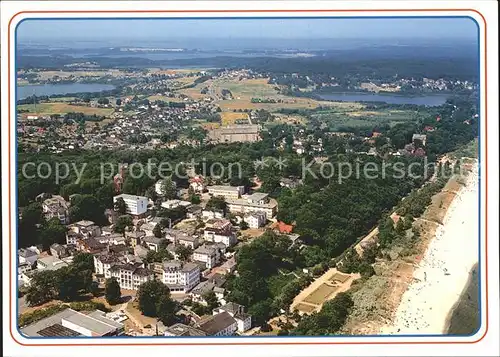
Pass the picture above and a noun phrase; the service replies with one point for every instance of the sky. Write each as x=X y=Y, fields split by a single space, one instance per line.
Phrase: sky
x=107 y=29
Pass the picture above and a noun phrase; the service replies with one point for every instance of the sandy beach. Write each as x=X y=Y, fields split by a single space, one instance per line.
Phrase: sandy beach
x=440 y=277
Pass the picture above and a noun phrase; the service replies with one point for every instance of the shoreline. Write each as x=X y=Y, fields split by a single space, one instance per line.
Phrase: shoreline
x=441 y=277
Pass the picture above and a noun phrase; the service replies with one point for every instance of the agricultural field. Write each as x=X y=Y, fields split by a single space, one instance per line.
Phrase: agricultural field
x=231 y=118
x=336 y=118
x=63 y=108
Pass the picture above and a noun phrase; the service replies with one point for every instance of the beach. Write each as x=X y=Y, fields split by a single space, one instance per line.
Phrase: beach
x=440 y=277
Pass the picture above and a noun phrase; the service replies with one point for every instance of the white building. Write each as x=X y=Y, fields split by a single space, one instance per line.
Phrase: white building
x=197 y=183
x=243 y=320
x=152 y=242
x=257 y=202
x=136 y=205
x=131 y=276
x=180 y=277
x=208 y=254
x=228 y=192
x=255 y=219
x=171 y=204
x=26 y=255
x=219 y=231
x=211 y=214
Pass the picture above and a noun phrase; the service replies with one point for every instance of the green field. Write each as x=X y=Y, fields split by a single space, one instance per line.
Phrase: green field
x=63 y=108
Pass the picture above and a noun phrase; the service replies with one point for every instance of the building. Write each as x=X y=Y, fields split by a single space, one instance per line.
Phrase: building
x=103 y=263
x=71 y=323
x=199 y=291
x=235 y=133
x=179 y=237
x=90 y=245
x=219 y=231
x=211 y=214
x=420 y=137
x=136 y=205
x=56 y=207
x=244 y=321
x=53 y=263
x=152 y=242
x=85 y=228
x=208 y=254
x=193 y=211
x=59 y=251
x=222 y=324
x=228 y=192
x=228 y=267
x=178 y=329
x=131 y=276
x=197 y=183
x=253 y=203
x=180 y=277
x=255 y=219
x=171 y=204
x=148 y=228
x=135 y=237
x=282 y=227
x=26 y=255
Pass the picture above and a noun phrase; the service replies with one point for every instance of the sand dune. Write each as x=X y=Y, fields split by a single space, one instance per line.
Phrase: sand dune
x=443 y=272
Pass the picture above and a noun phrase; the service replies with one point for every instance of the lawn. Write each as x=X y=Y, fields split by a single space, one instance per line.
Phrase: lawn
x=63 y=108
x=320 y=295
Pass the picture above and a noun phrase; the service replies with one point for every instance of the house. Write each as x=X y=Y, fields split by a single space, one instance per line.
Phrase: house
x=211 y=214
x=180 y=277
x=419 y=137
x=219 y=231
x=85 y=228
x=152 y=243
x=291 y=183
x=179 y=237
x=71 y=323
x=282 y=227
x=253 y=203
x=193 y=211
x=244 y=321
x=56 y=207
x=148 y=228
x=90 y=245
x=140 y=251
x=235 y=133
x=135 y=205
x=131 y=276
x=171 y=204
x=208 y=254
x=27 y=256
x=183 y=330
x=197 y=183
x=255 y=219
x=59 y=251
x=199 y=291
x=228 y=267
x=103 y=263
x=52 y=263
x=135 y=237
x=228 y=192
x=112 y=239
x=222 y=324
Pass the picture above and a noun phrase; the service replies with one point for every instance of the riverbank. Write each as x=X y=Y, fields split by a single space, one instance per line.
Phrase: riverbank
x=441 y=275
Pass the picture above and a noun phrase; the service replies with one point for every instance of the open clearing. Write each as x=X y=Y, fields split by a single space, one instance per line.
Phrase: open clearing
x=230 y=118
x=324 y=288
x=63 y=108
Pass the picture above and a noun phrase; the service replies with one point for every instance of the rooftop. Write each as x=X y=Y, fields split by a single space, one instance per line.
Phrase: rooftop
x=126 y=196
x=183 y=330
x=216 y=323
x=224 y=188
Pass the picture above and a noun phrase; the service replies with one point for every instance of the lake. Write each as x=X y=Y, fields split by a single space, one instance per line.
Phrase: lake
x=431 y=100
x=50 y=89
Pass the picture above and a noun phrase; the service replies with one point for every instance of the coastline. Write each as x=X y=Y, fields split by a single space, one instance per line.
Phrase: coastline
x=440 y=278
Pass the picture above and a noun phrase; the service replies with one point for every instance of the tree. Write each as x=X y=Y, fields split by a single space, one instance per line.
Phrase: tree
x=122 y=223
x=118 y=102
x=243 y=225
x=166 y=310
x=83 y=261
x=150 y=295
x=168 y=188
x=216 y=203
x=87 y=207
x=157 y=231
x=112 y=291
x=52 y=232
x=94 y=289
x=211 y=300
x=151 y=193
x=120 y=206
x=184 y=252
x=103 y=101
x=43 y=288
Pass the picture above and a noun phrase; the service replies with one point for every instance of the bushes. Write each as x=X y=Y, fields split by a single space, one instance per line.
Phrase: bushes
x=32 y=317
